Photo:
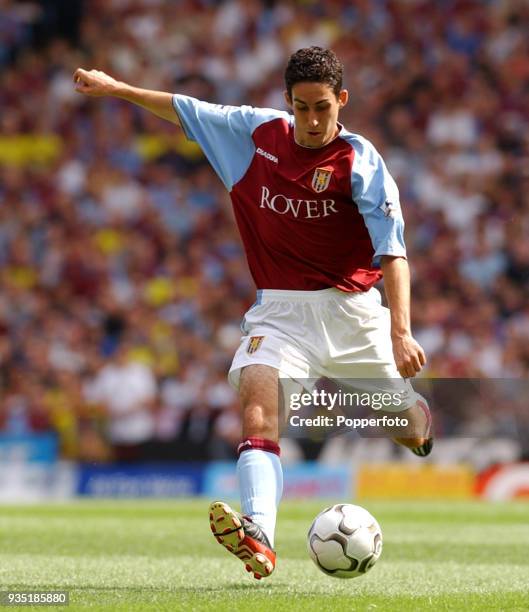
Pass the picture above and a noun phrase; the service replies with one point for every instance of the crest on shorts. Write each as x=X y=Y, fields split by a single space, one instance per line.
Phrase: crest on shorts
x=254 y=343
x=321 y=179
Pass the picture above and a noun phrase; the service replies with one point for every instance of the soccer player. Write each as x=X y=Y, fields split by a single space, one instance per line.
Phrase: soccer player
x=321 y=223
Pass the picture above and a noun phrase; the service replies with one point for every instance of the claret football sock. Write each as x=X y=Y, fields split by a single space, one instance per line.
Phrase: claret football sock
x=260 y=482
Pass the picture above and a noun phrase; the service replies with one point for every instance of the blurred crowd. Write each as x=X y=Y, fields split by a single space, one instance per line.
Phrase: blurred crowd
x=123 y=278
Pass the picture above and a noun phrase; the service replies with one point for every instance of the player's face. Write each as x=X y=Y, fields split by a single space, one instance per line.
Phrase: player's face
x=316 y=108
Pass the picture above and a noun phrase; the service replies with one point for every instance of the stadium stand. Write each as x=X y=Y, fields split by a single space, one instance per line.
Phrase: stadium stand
x=119 y=258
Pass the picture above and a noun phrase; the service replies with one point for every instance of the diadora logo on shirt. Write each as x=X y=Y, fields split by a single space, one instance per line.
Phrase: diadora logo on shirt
x=268 y=156
x=304 y=209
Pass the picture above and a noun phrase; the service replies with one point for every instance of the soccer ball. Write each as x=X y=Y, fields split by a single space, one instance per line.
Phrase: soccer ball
x=344 y=541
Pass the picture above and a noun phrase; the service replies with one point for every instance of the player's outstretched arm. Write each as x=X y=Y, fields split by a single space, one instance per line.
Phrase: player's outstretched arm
x=97 y=83
x=409 y=355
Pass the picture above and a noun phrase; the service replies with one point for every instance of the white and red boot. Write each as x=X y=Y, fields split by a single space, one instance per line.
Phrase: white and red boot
x=243 y=538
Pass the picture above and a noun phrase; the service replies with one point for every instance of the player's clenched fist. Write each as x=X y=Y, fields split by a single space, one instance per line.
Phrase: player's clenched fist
x=409 y=356
x=94 y=82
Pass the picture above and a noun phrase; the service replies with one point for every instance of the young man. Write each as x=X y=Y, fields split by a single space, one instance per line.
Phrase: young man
x=320 y=220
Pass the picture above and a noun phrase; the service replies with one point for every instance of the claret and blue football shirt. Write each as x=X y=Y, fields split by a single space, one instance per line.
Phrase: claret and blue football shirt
x=309 y=218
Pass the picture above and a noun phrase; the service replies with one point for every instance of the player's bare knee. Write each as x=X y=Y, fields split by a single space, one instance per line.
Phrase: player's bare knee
x=258 y=393
x=257 y=420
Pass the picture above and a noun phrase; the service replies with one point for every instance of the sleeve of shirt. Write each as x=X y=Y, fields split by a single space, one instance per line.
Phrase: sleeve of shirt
x=377 y=197
x=224 y=133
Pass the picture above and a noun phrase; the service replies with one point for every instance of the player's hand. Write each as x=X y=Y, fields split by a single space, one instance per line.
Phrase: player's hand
x=409 y=355
x=94 y=82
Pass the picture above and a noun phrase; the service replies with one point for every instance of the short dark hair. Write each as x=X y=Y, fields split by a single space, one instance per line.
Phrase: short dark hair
x=315 y=65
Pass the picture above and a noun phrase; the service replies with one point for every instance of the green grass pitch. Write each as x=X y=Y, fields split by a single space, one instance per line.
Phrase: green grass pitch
x=143 y=555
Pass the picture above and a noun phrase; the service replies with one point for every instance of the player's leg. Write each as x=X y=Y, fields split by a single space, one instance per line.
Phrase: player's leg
x=259 y=467
x=259 y=397
x=362 y=358
x=417 y=433
x=250 y=535
x=269 y=347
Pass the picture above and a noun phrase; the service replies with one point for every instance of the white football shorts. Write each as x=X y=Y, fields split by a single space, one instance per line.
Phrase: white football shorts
x=307 y=335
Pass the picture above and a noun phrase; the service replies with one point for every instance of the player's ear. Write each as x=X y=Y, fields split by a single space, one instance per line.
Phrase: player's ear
x=288 y=99
x=343 y=97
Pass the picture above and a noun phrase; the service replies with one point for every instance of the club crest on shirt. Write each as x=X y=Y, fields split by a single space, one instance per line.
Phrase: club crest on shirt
x=321 y=179
x=254 y=343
